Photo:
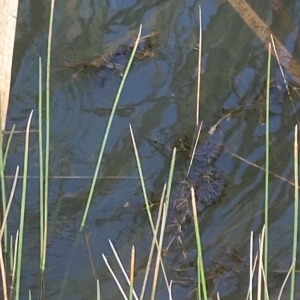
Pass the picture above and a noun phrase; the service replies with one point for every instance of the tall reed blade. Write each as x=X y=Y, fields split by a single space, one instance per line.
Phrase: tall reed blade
x=295 y=241
x=201 y=282
x=267 y=167
x=47 y=152
x=199 y=70
x=22 y=213
x=108 y=129
x=41 y=162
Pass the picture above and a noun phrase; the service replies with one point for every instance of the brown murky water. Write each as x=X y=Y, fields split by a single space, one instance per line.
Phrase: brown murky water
x=159 y=101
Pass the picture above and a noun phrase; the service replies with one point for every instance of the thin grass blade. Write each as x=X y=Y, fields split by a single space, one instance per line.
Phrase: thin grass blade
x=13 y=274
x=41 y=169
x=154 y=241
x=108 y=129
x=132 y=263
x=22 y=213
x=3 y=273
x=201 y=282
x=260 y=264
x=8 y=145
x=295 y=236
x=158 y=257
x=138 y=161
x=194 y=150
x=266 y=240
x=115 y=277
x=12 y=192
x=286 y=279
x=145 y=193
x=47 y=147
x=121 y=266
x=199 y=69
x=9 y=201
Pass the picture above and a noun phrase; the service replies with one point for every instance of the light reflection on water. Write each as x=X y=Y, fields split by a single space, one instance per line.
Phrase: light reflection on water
x=159 y=101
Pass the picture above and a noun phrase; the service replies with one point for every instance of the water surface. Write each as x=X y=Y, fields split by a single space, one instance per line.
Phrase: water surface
x=159 y=101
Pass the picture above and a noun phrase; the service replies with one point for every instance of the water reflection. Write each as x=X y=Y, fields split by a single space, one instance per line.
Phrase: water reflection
x=159 y=101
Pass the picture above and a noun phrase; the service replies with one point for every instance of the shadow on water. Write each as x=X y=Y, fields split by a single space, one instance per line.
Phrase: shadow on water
x=159 y=101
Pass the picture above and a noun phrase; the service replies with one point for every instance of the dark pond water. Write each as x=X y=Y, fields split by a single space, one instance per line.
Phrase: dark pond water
x=159 y=101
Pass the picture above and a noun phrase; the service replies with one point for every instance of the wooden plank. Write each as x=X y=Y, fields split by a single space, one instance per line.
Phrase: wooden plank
x=8 y=18
x=263 y=32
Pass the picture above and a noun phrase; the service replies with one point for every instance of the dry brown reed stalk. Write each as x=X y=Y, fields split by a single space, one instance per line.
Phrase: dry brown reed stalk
x=283 y=76
x=159 y=250
x=286 y=279
x=121 y=267
x=261 y=168
x=194 y=149
x=9 y=203
x=132 y=263
x=2 y=264
x=14 y=265
x=3 y=274
x=90 y=255
x=154 y=241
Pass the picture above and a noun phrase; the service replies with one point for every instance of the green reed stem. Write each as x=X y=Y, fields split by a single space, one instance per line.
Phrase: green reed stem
x=141 y=175
x=111 y=116
x=201 y=282
x=267 y=167
x=146 y=198
x=41 y=161
x=22 y=213
x=47 y=147
x=295 y=241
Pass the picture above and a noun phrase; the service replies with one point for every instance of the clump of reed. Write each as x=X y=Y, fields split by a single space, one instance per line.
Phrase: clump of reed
x=258 y=262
